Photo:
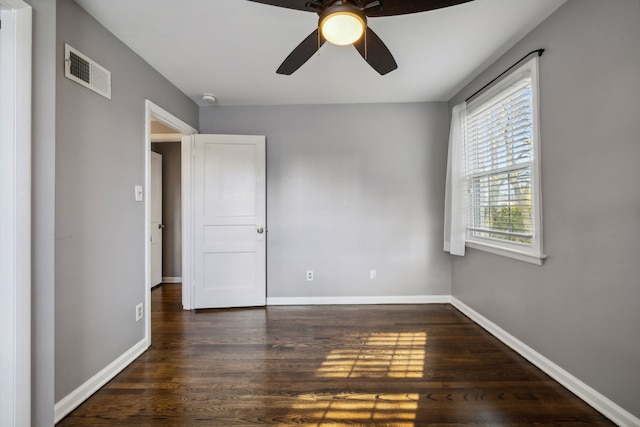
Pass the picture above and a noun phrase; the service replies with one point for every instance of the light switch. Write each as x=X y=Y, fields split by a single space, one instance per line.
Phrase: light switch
x=138 y=190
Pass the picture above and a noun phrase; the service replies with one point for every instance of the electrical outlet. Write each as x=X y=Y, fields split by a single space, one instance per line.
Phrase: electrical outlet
x=309 y=275
x=139 y=312
x=372 y=275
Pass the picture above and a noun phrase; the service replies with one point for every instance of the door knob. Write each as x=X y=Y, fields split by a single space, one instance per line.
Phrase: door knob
x=260 y=230
x=160 y=226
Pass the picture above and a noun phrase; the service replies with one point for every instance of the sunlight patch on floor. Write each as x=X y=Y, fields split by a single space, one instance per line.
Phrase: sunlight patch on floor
x=328 y=410
x=384 y=355
x=381 y=355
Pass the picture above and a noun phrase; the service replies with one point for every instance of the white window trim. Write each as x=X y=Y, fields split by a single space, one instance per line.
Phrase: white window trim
x=533 y=254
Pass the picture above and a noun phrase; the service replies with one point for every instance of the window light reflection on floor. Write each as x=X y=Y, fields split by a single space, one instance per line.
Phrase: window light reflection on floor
x=389 y=355
x=398 y=408
x=382 y=355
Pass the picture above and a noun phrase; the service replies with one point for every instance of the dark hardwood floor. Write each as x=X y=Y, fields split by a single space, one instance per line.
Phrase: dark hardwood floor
x=406 y=365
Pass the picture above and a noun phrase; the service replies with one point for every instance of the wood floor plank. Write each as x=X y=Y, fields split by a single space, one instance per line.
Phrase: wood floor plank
x=386 y=365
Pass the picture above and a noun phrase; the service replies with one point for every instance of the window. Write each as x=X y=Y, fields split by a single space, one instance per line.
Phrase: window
x=501 y=156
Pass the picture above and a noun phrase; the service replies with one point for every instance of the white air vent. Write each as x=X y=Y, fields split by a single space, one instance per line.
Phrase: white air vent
x=86 y=72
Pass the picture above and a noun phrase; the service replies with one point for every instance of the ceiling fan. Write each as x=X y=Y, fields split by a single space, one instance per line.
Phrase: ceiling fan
x=343 y=22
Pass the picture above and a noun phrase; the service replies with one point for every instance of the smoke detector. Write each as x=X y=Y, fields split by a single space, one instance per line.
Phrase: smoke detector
x=209 y=98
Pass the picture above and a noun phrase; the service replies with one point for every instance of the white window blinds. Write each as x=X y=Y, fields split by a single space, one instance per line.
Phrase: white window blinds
x=499 y=155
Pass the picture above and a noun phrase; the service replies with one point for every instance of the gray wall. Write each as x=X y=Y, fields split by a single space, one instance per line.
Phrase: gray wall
x=43 y=202
x=99 y=265
x=350 y=188
x=171 y=207
x=581 y=309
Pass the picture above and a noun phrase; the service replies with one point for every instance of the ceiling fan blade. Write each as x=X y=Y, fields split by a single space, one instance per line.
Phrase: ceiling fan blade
x=376 y=53
x=305 y=5
x=301 y=54
x=404 y=7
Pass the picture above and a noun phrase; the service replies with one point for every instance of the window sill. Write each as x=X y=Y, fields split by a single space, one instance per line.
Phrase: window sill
x=509 y=253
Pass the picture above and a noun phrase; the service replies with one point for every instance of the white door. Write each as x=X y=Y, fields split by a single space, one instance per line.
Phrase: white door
x=229 y=221
x=156 y=219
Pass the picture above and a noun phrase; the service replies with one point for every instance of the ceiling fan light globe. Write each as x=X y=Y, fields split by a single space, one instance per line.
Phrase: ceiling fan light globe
x=342 y=28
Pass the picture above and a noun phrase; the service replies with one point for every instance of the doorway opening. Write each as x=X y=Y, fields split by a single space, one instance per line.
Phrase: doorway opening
x=166 y=205
x=163 y=127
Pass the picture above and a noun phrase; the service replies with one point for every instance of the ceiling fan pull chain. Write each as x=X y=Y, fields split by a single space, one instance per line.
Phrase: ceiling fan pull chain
x=365 y=45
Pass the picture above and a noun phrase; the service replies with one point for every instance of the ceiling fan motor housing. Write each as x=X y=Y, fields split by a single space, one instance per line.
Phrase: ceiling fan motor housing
x=342 y=23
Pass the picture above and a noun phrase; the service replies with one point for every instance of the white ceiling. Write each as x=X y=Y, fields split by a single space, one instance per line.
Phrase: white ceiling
x=231 y=48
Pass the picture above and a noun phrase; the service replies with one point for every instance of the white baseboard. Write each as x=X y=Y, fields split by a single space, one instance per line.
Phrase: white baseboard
x=598 y=401
x=172 y=280
x=412 y=299
x=82 y=393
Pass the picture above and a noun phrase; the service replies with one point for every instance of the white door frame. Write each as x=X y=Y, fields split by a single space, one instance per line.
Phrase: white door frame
x=15 y=213
x=163 y=116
